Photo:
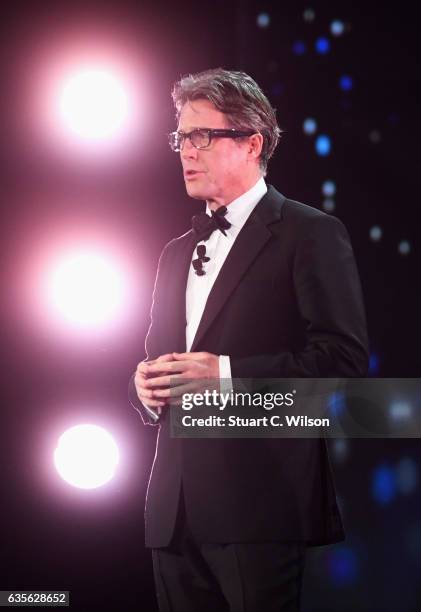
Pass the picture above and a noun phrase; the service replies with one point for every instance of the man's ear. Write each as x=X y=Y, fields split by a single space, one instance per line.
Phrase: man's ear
x=255 y=145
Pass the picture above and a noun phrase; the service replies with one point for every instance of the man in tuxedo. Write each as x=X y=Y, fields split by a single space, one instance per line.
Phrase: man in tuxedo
x=262 y=286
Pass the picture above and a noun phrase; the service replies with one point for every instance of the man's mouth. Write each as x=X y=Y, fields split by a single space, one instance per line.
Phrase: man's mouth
x=191 y=173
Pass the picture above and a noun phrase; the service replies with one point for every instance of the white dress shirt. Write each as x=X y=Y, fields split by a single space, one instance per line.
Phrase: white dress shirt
x=217 y=248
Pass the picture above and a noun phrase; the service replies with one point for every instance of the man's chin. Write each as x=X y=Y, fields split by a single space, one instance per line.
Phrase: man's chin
x=194 y=191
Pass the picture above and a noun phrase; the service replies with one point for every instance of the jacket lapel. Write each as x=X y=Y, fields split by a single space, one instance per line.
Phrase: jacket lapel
x=177 y=307
x=249 y=242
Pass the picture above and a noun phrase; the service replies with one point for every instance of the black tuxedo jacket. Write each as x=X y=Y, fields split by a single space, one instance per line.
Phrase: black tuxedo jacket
x=287 y=303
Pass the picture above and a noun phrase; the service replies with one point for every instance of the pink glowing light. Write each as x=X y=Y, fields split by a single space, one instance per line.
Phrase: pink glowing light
x=91 y=100
x=93 y=104
x=86 y=456
x=85 y=288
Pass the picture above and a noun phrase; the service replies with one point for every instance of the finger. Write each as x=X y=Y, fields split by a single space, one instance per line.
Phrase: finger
x=177 y=391
x=142 y=367
x=142 y=386
x=142 y=391
x=139 y=379
x=146 y=395
x=166 y=357
x=168 y=366
x=189 y=356
x=175 y=401
x=158 y=368
x=163 y=381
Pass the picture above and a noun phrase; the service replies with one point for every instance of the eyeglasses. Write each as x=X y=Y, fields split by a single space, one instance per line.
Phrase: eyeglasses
x=202 y=137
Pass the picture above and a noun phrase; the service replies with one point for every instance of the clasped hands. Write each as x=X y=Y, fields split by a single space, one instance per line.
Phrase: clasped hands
x=164 y=380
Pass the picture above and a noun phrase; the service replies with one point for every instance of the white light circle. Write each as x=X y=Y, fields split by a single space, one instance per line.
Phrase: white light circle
x=86 y=456
x=376 y=233
x=86 y=289
x=309 y=126
x=93 y=105
x=329 y=188
x=263 y=20
x=404 y=247
x=337 y=27
x=400 y=411
x=309 y=15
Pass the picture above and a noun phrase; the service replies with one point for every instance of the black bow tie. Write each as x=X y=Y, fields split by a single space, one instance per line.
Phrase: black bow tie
x=204 y=225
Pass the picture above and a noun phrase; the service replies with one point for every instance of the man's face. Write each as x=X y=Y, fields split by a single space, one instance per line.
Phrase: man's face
x=219 y=172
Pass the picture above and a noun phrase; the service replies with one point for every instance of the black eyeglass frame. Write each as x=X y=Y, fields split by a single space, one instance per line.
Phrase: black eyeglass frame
x=211 y=133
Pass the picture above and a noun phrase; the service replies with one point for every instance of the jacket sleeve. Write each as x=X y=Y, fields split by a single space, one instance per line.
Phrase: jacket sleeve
x=152 y=337
x=329 y=298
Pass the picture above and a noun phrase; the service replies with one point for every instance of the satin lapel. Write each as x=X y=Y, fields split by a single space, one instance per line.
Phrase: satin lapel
x=246 y=248
x=177 y=304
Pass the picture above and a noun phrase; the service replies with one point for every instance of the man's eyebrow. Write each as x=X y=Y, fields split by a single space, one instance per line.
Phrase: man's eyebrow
x=195 y=128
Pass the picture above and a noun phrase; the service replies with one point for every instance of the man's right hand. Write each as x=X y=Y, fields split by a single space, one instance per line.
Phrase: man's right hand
x=143 y=393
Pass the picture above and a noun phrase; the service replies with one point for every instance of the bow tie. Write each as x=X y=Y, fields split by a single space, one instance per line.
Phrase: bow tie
x=204 y=225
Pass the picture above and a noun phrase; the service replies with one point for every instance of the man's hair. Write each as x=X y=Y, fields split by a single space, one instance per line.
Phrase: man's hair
x=239 y=97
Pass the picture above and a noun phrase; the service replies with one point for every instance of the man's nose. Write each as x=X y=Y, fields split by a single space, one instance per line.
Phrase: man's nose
x=188 y=151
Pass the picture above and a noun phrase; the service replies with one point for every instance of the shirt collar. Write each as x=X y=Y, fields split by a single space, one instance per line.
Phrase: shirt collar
x=239 y=209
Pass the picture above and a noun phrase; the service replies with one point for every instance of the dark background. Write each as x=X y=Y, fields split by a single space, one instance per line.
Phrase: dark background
x=91 y=543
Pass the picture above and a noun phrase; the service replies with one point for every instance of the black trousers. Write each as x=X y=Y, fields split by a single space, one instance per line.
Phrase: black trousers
x=229 y=577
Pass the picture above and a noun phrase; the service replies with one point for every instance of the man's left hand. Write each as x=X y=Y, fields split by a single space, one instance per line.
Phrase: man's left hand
x=196 y=368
